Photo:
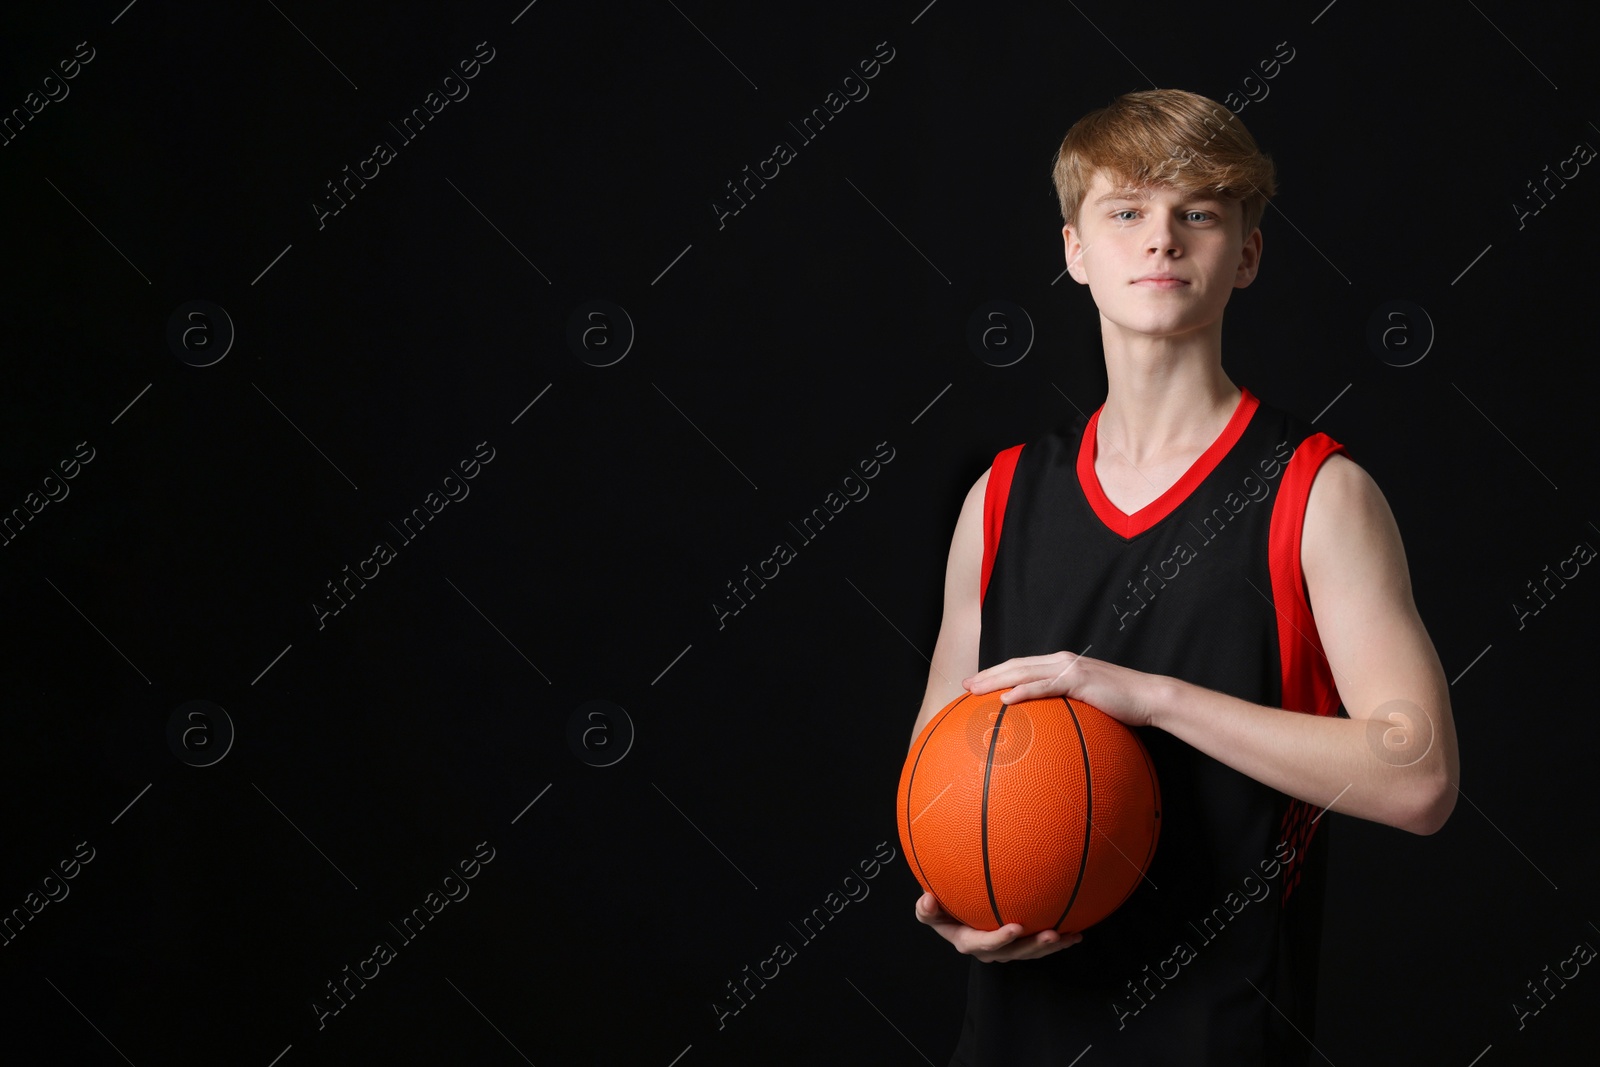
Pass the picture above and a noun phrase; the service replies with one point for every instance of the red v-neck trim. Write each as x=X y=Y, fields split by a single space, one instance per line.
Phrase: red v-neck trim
x=1125 y=525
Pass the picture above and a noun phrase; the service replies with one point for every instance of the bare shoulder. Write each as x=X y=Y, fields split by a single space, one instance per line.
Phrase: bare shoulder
x=1382 y=660
x=979 y=488
x=1340 y=480
x=1350 y=535
x=955 y=652
x=966 y=542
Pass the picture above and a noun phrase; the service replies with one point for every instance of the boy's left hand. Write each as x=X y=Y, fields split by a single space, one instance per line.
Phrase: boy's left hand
x=1132 y=697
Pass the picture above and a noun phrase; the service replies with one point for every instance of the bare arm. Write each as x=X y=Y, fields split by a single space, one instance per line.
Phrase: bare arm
x=1395 y=760
x=955 y=653
x=955 y=656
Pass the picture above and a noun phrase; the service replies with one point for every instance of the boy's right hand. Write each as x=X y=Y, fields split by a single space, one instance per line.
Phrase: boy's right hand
x=990 y=946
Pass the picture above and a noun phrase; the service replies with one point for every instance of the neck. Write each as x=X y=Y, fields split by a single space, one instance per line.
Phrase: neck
x=1164 y=395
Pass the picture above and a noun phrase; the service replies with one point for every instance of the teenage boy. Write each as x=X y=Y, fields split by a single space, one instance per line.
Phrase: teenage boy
x=1216 y=574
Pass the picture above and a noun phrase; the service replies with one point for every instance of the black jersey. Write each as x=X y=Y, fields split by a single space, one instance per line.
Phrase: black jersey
x=1212 y=959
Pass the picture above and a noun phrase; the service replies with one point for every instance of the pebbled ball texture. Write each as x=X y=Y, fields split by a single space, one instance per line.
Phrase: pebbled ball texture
x=1045 y=812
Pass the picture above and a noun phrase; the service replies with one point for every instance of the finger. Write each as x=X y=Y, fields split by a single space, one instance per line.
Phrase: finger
x=1019 y=951
x=1011 y=668
x=990 y=940
x=1047 y=682
x=1040 y=944
x=1061 y=941
x=1051 y=940
x=1018 y=666
x=1004 y=678
x=1029 y=689
x=1034 y=668
x=930 y=911
x=1055 y=681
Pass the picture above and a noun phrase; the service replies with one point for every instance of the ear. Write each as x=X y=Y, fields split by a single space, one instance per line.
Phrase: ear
x=1073 y=249
x=1249 y=260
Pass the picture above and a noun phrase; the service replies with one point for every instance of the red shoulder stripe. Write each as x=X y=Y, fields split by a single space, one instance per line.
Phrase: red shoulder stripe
x=995 y=495
x=1307 y=679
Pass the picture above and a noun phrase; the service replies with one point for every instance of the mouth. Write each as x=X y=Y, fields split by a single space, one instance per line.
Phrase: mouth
x=1160 y=281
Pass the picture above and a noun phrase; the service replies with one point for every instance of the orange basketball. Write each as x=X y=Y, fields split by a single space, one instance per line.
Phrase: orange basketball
x=1044 y=812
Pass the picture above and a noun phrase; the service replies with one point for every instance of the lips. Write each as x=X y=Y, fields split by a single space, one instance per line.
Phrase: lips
x=1160 y=281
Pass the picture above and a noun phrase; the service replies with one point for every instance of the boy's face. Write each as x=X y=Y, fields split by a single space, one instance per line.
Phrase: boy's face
x=1123 y=236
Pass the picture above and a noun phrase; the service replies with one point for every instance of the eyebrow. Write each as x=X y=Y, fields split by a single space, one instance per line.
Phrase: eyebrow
x=1140 y=194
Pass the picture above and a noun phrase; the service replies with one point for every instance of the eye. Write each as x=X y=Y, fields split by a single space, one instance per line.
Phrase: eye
x=1197 y=211
x=1118 y=214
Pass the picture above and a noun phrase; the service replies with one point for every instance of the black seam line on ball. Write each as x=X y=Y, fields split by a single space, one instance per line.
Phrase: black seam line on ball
x=1088 y=813
x=911 y=837
x=1151 y=851
x=1155 y=791
x=988 y=765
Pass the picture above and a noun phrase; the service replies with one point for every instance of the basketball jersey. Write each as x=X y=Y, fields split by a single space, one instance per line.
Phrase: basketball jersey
x=1212 y=959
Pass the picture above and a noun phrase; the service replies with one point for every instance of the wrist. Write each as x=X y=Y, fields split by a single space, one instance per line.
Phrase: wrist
x=1164 y=700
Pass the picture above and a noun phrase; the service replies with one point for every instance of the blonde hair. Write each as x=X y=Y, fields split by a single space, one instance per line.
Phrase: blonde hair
x=1165 y=137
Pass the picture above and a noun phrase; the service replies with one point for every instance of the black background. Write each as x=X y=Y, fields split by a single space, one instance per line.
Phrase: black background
x=773 y=352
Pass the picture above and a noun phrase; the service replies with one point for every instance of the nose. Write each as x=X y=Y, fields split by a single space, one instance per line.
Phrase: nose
x=1163 y=233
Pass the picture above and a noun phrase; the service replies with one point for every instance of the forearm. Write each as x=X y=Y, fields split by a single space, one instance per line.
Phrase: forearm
x=1348 y=764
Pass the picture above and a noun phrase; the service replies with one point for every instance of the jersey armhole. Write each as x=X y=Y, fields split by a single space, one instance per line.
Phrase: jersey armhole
x=995 y=495
x=1307 y=678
